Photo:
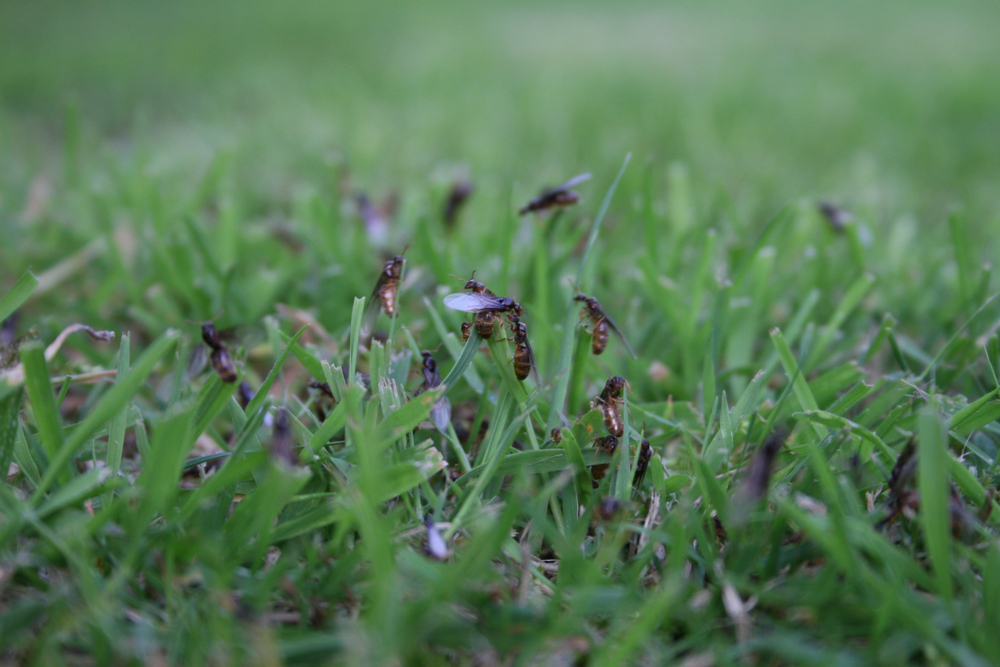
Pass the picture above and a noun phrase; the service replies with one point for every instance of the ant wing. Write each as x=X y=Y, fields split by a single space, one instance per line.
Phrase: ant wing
x=534 y=367
x=197 y=360
x=441 y=414
x=374 y=305
x=620 y=335
x=473 y=303
x=576 y=180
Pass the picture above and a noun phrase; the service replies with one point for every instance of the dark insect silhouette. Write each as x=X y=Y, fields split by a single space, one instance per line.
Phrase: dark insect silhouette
x=558 y=197
x=466 y=331
x=642 y=463
x=377 y=218
x=460 y=192
x=608 y=508
x=282 y=442
x=835 y=215
x=755 y=481
x=600 y=323
x=221 y=361
x=441 y=412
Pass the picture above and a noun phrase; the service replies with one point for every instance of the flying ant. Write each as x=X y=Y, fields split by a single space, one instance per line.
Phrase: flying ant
x=221 y=361
x=524 y=358
x=377 y=218
x=282 y=440
x=608 y=508
x=441 y=412
x=609 y=403
x=386 y=289
x=642 y=463
x=460 y=192
x=558 y=197
x=484 y=304
x=838 y=217
x=600 y=323
x=607 y=443
x=436 y=548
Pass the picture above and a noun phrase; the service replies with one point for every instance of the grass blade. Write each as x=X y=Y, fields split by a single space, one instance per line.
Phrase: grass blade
x=43 y=402
x=265 y=386
x=17 y=294
x=932 y=458
x=116 y=433
x=105 y=409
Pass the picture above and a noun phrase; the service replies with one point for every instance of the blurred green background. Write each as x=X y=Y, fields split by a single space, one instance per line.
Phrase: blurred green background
x=891 y=104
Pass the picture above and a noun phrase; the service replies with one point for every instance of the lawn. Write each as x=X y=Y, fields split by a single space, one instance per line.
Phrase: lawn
x=790 y=218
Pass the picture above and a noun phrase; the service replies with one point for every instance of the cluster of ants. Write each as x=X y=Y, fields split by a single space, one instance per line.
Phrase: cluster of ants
x=487 y=311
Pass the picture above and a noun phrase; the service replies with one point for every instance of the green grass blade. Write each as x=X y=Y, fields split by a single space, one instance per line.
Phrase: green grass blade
x=17 y=294
x=36 y=378
x=357 y=319
x=106 y=408
x=157 y=483
x=334 y=423
x=935 y=510
x=463 y=362
x=799 y=385
x=116 y=432
x=212 y=400
x=265 y=386
x=10 y=407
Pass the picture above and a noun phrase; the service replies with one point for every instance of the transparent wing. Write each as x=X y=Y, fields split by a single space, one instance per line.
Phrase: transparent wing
x=473 y=303
x=620 y=335
x=441 y=414
x=374 y=306
x=576 y=180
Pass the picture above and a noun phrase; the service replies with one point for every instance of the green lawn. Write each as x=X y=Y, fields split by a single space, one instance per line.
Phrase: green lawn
x=167 y=164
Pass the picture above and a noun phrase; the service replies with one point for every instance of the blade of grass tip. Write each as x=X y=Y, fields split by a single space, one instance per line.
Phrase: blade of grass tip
x=932 y=459
x=560 y=386
x=106 y=407
x=43 y=403
x=357 y=319
x=116 y=434
x=17 y=294
x=335 y=378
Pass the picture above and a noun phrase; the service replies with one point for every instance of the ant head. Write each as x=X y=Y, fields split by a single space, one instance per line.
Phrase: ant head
x=428 y=353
